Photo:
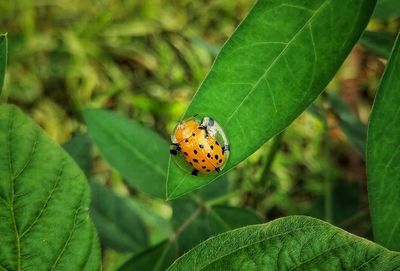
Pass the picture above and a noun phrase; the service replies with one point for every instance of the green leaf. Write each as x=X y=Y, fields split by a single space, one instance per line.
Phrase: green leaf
x=3 y=59
x=157 y=258
x=139 y=154
x=116 y=221
x=276 y=63
x=383 y=156
x=380 y=43
x=387 y=9
x=44 y=202
x=206 y=221
x=291 y=243
x=79 y=148
x=355 y=131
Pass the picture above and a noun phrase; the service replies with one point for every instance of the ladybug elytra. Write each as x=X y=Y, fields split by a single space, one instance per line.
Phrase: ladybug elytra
x=202 y=144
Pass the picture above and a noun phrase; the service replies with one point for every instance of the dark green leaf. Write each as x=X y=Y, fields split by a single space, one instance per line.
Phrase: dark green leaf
x=383 y=156
x=291 y=243
x=380 y=43
x=44 y=202
x=79 y=147
x=3 y=59
x=275 y=64
x=387 y=9
x=116 y=221
x=139 y=154
x=157 y=258
x=207 y=221
x=355 y=130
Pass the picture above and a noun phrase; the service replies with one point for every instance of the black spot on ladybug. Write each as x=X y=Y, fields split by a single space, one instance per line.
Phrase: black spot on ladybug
x=186 y=140
x=220 y=160
x=195 y=160
x=185 y=153
x=203 y=160
x=193 y=134
x=195 y=151
x=204 y=167
x=201 y=146
x=208 y=170
x=212 y=147
x=216 y=142
x=216 y=156
x=191 y=163
x=208 y=155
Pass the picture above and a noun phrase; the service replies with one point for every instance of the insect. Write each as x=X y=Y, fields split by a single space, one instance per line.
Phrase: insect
x=197 y=141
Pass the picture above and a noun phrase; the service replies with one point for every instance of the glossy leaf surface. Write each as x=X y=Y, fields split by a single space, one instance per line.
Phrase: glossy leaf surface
x=272 y=68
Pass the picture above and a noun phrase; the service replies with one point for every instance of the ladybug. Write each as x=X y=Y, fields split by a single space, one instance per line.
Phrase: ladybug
x=197 y=143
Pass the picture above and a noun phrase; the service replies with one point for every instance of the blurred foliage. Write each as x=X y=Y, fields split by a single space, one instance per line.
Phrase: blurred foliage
x=145 y=59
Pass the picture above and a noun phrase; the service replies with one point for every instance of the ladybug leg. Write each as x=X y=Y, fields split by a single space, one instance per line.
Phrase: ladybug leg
x=226 y=148
x=174 y=148
x=195 y=172
x=217 y=169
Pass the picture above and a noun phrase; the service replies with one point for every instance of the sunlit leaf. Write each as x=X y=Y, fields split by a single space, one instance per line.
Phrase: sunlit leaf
x=272 y=68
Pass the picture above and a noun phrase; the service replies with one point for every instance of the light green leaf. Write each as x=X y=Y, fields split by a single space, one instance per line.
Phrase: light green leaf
x=383 y=156
x=291 y=243
x=118 y=224
x=3 y=59
x=272 y=68
x=139 y=154
x=44 y=202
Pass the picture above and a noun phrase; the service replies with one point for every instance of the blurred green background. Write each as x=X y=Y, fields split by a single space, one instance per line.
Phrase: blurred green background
x=145 y=59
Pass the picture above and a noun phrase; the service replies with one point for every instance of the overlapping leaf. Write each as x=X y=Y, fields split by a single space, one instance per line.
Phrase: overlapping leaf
x=275 y=64
x=291 y=243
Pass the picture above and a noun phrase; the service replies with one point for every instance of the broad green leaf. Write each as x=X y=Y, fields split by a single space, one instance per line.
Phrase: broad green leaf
x=383 y=156
x=156 y=258
x=139 y=154
x=79 y=148
x=44 y=202
x=3 y=59
x=276 y=63
x=387 y=9
x=116 y=221
x=291 y=243
x=209 y=221
x=380 y=43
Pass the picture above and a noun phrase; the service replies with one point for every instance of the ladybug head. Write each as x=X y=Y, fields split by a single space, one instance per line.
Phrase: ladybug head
x=185 y=130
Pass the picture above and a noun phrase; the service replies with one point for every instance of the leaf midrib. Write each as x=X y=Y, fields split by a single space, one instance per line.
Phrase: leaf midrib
x=316 y=12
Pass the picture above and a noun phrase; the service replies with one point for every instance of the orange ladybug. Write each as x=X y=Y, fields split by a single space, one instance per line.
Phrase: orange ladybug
x=197 y=143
